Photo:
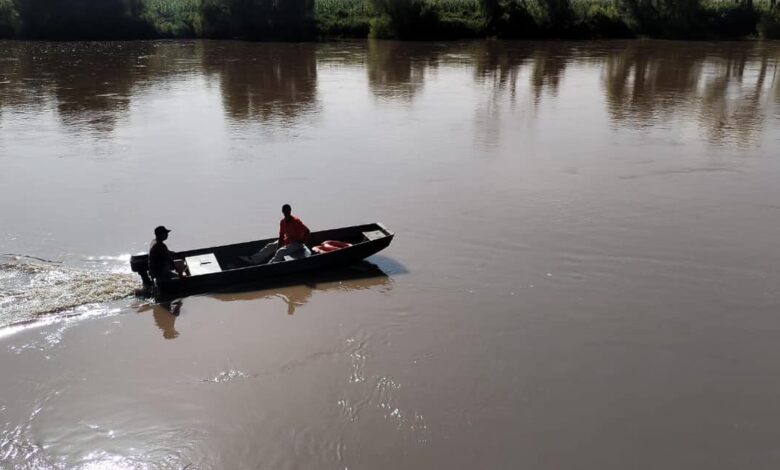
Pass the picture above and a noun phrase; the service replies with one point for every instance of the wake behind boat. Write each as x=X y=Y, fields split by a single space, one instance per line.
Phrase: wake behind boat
x=222 y=267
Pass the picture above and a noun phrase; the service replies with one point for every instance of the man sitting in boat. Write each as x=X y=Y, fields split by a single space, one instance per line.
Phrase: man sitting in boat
x=292 y=238
x=162 y=266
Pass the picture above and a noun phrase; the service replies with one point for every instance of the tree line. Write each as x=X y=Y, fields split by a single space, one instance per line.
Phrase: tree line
x=402 y=19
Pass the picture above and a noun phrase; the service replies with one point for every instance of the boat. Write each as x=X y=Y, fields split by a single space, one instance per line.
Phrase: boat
x=222 y=267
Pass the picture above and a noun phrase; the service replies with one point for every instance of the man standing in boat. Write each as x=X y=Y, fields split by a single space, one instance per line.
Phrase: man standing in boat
x=292 y=238
x=162 y=266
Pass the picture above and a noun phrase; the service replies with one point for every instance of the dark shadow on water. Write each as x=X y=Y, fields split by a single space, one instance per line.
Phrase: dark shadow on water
x=387 y=265
x=295 y=291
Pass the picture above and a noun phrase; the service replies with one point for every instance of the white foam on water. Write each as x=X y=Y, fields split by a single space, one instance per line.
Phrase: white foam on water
x=30 y=289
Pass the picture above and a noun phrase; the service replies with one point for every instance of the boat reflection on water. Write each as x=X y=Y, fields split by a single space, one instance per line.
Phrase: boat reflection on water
x=295 y=293
x=360 y=276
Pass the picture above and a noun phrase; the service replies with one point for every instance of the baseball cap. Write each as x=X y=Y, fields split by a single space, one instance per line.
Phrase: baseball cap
x=160 y=230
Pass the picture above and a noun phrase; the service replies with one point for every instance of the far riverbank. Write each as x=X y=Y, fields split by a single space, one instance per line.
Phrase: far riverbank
x=307 y=20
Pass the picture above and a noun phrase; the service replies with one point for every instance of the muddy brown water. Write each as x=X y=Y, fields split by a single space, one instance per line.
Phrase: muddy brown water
x=585 y=273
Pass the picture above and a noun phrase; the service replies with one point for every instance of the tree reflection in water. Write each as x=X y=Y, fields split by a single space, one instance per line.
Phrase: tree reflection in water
x=549 y=66
x=262 y=82
x=729 y=90
x=91 y=85
x=499 y=66
x=396 y=70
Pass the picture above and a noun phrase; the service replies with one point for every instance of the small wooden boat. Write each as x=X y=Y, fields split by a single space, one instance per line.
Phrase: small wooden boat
x=222 y=267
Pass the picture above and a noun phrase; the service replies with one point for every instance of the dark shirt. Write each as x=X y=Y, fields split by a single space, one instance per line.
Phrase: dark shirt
x=160 y=260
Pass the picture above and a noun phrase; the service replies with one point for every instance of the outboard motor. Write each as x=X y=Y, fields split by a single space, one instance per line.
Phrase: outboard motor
x=140 y=264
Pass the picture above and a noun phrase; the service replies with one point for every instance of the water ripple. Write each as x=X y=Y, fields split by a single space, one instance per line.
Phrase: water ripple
x=229 y=376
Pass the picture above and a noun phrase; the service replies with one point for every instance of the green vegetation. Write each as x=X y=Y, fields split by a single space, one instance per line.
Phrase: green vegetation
x=602 y=20
x=693 y=18
x=174 y=18
x=402 y=19
x=9 y=19
x=343 y=18
x=81 y=19
x=258 y=19
x=514 y=19
x=769 y=24
x=729 y=21
x=428 y=19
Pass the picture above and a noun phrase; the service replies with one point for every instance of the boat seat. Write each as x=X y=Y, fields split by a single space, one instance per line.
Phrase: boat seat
x=373 y=235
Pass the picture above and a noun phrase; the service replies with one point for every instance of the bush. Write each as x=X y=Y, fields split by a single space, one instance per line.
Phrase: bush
x=461 y=18
x=174 y=18
x=602 y=20
x=9 y=19
x=350 y=18
x=380 y=27
x=666 y=18
x=731 y=20
x=83 y=19
x=427 y=19
x=259 y=19
x=554 y=16
x=216 y=19
x=769 y=25
x=405 y=19
x=510 y=19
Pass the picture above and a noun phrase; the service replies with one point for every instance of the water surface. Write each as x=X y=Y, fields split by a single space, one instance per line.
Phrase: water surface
x=584 y=274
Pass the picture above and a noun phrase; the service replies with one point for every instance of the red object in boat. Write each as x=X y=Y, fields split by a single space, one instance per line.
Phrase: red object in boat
x=330 y=245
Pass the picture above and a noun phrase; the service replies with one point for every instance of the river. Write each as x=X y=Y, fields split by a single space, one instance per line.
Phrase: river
x=584 y=275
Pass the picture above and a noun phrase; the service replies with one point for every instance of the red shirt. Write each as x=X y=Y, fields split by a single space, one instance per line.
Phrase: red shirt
x=292 y=231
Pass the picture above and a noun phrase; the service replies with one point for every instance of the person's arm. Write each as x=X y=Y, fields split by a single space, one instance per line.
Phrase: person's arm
x=178 y=267
x=171 y=256
x=306 y=232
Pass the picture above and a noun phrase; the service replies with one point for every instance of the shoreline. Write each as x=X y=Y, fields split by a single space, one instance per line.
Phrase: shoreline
x=400 y=41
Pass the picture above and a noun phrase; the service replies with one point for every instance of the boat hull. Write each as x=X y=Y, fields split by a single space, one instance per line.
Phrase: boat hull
x=234 y=272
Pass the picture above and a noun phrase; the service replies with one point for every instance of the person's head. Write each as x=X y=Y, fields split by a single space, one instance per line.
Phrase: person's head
x=161 y=233
x=286 y=210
